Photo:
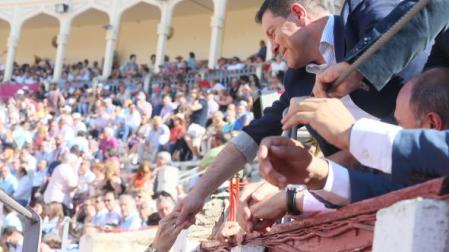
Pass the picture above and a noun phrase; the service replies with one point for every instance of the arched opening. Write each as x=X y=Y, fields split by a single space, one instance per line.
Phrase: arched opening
x=138 y=33
x=241 y=35
x=191 y=29
x=4 y=34
x=38 y=39
x=87 y=37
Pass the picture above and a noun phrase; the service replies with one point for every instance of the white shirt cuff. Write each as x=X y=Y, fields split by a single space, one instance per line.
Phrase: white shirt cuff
x=371 y=143
x=337 y=189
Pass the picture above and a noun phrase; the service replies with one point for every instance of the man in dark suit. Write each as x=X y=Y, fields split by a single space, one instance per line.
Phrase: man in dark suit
x=307 y=37
x=431 y=23
x=422 y=103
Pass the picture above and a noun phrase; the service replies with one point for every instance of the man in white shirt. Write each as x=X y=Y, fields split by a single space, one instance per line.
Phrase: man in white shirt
x=167 y=176
x=63 y=182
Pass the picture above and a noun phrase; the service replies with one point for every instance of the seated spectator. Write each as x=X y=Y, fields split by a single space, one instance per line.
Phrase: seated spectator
x=11 y=219
x=159 y=136
x=13 y=238
x=54 y=219
x=113 y=216
x=217 y=124
x=40 y=179
x=244 y=117
x=229 y=126
x=278 y=65
x=22 y=194
x=108 y=141
x=85 y=184
x=167 y=176
x=143 y=177
x=165 y=204
x=177 y=131
x=167 y=108
x=8 y=182
x=100 y=210
x=130 y=216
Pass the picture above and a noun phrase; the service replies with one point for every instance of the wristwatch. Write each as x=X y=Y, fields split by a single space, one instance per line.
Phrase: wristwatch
x=151 y=249
x=291 y=191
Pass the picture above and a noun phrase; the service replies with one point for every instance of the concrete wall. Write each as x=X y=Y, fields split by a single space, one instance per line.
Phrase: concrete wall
x=191 y=33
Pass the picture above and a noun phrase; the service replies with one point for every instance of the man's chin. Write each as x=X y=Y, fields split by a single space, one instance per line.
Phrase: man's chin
x=295 y=65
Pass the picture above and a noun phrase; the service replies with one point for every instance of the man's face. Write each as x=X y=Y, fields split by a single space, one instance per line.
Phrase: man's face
x=126 y=207
x=109 y=202
x=404 y=113
x=282 y=32
x=164 y=208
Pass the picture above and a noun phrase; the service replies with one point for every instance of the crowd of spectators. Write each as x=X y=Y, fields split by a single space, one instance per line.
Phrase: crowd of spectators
x=106 y=157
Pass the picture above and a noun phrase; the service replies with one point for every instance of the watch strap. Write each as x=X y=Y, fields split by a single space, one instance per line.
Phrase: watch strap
x=292 y=209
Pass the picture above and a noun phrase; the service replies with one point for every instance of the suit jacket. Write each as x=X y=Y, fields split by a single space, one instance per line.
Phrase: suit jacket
x=357 y=19
x=416 y=36
x=410 y=158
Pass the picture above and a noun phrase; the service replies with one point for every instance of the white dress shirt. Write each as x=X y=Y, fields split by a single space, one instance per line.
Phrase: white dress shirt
x=371 y=143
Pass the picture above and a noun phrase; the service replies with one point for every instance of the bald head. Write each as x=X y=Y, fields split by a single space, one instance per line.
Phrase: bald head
x=423 y=102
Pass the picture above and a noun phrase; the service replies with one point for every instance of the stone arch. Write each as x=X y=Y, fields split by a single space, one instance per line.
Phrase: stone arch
x=138 y=31
x=87 y=36
x=190 y=14
x=37 y=37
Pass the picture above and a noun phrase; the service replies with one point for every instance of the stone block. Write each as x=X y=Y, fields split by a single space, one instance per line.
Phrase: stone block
x=413 y=226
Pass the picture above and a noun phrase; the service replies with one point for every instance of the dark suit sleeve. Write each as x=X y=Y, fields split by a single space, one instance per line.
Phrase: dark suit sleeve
x=365 y=185
x=439 y=56
x=360 y=17
x=270 y=123
x=405 y=45
x=420 y=154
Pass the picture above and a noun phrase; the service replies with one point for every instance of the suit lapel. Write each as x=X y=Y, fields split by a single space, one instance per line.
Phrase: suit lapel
x=339 y=39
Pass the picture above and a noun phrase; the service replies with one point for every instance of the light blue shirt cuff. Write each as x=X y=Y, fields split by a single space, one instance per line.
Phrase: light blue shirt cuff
x=246 y=145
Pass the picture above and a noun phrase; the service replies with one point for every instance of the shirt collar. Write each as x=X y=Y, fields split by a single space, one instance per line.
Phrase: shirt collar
x=327 y=48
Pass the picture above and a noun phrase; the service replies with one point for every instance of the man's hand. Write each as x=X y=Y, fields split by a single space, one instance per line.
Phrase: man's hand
x=188 y=208
x=329 y=117
x=324 y=80
x=285 y=161
x=267 y=212
x=252 y=194
x=167 y=233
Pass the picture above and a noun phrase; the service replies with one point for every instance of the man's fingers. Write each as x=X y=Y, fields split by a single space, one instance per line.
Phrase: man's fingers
x=271 y=175
x=182 y=216
x=298 y=118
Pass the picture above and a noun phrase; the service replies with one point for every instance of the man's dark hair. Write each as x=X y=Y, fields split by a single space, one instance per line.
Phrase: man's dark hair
x=277 y=7
x=281 y=8
x=430 y=93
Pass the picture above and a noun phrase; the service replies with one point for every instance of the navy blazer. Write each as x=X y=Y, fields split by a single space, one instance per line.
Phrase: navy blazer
x=358 y=17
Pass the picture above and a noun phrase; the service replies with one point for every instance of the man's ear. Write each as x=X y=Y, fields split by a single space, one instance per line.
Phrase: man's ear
x=433 y=121
x=298 y=13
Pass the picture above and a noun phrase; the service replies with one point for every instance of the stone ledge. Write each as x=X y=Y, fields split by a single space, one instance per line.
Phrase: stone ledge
x=347 y=229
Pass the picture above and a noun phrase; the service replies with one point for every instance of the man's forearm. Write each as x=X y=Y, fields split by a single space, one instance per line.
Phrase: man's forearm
x=227 y=163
